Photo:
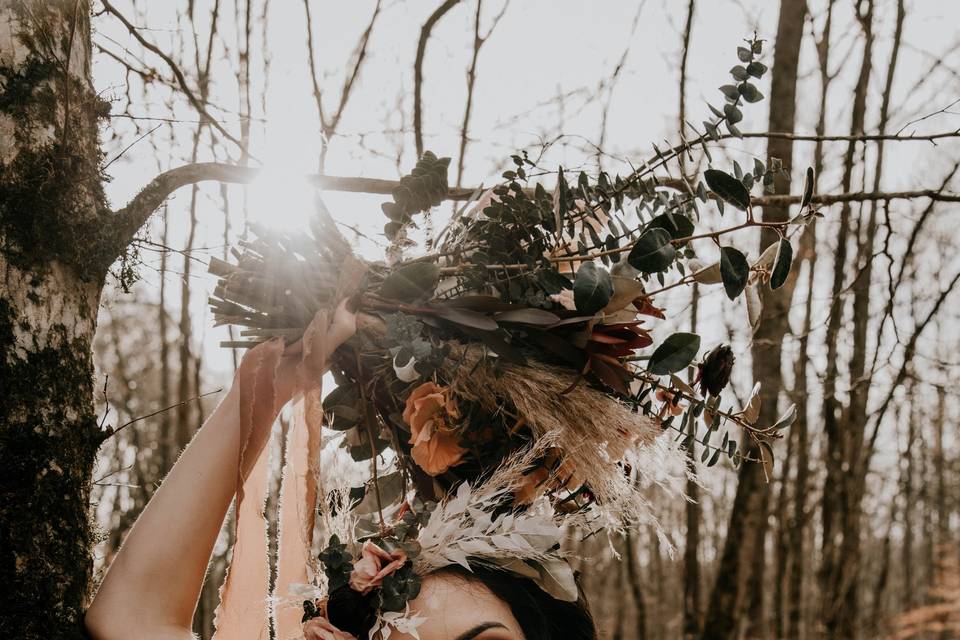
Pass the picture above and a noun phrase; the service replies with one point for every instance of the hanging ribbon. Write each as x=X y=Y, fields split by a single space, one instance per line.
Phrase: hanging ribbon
x=245 y=609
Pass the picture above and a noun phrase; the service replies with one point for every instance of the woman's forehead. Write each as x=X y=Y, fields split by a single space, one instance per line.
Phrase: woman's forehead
x=453 y=605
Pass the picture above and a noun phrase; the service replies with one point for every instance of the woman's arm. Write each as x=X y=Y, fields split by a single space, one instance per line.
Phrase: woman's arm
x=154 y=582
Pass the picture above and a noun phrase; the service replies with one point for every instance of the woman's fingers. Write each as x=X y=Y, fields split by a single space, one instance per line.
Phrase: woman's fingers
x=344 y=325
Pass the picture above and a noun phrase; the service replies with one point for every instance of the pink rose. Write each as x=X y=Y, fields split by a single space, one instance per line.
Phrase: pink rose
x=374 y=565
x=321 y=629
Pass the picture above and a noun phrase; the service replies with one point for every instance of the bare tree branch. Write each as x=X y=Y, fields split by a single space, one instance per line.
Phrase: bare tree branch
x=130 y=218
x=175 y=69
x=418 y=71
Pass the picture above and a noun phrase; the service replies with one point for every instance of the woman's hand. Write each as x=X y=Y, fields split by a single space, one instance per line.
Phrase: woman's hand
x=296 y=369
x=153 y=584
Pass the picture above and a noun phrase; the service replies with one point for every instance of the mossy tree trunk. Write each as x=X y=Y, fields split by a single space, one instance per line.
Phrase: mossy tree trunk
x=56 y=246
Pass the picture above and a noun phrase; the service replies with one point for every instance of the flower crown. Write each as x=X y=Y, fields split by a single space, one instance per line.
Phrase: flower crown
x=500 y=385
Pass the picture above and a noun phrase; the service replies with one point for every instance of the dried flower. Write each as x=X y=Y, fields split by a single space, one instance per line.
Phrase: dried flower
x=436 y=447
x=670 y=406
x=714 y=371
x=374 y=565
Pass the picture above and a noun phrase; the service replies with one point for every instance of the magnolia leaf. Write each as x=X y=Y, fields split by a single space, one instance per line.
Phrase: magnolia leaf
x=734 y=270
x=754 y=307
x=708 y=275
x=625 y=291
x=781 y=266
x=652 y=251
x=765 y=261
x=809 y=179
x=751 y=412
x=592 y=288
x=766 y=457
x=727 y=188
x=679 y=384
x=674 y=353
x=467 y=318
x=787 y=419
x=411 y=282
x=529 y=316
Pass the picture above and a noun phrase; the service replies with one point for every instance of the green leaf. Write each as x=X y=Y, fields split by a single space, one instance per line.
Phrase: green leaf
x=730 y=92
x=592 y=288
x=744 y=54
x=739 y=73
x=734 y=270
x=808 y=181
x=785 y=420
x=781 y=266
x=733 y=114
x=678 y=225
x=411 y=282
x=750 y=93
x=756 y=69
x=727 y=188
x=467 y=318
x=653 y=251
x=674 y=353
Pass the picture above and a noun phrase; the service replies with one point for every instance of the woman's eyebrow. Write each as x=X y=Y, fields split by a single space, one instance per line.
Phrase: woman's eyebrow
x=480 y=628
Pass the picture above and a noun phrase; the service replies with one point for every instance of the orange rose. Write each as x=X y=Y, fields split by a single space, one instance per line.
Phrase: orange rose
x=374 y=565
x=436 y=447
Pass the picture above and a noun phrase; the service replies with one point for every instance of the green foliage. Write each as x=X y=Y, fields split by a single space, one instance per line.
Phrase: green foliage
x=592 y=288
x=653 y=251
x=735 y=271
x=423 y=188
x=674 y=353
x=337 y=563
x=781 y=264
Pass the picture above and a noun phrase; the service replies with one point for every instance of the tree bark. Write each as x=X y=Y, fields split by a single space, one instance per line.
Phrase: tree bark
x=739 y=584
x=54 y=256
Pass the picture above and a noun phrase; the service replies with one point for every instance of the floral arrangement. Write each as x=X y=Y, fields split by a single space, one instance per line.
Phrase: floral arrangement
x=505 y=382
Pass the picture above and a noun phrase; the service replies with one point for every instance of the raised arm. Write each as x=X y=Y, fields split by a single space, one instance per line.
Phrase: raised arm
x=153 y=584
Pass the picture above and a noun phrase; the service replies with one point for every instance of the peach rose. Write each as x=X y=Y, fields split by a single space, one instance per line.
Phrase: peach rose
x=374 y=565
x=435 y=447
x=321 y=629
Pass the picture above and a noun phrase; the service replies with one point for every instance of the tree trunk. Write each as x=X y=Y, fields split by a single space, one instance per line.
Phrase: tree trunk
x=740 y=580
x=55 y=249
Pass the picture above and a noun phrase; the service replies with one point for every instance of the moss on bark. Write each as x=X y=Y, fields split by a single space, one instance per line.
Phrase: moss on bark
x=48 y=440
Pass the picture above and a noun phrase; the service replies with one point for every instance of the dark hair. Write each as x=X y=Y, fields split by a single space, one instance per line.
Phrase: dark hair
x=540 y=616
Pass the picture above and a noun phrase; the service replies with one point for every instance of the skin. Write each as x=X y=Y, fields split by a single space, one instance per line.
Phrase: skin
x=155 y=580
x=480 y=615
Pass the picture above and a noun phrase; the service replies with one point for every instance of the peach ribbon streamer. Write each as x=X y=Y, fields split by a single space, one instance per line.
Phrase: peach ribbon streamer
x=298 y=489
x=244 y=597
x=245 y=609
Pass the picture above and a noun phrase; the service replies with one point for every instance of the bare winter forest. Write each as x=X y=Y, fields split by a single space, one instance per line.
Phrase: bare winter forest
x=853 y=531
